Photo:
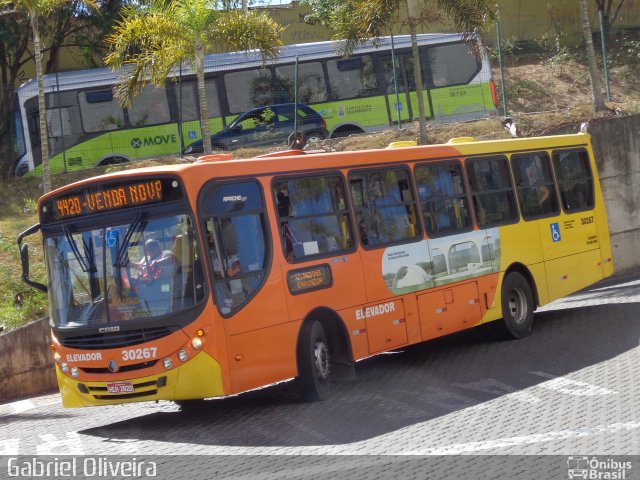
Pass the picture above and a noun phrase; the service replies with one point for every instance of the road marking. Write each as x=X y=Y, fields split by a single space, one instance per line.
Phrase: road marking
x=571 y=387
x=10 y=446
x=462 y=448
x=71 y=445
x=22 y=406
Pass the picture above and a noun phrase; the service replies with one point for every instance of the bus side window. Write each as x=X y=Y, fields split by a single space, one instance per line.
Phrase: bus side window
x=385 y=206
x=574 y=179
x=313 y=216
x=492 y=191
x=443 y=198
x=534 y=182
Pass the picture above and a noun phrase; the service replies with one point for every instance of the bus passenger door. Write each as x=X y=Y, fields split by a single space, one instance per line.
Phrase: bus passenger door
x=396 y=92
x=570 y=241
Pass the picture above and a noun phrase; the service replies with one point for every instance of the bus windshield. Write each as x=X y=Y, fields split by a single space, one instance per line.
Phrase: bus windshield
x=142 y=270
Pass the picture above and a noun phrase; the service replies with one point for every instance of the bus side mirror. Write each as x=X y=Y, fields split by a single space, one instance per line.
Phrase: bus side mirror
x=24 y=258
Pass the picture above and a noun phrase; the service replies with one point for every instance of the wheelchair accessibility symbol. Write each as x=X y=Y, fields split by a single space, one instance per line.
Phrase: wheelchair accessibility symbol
x=555 y=232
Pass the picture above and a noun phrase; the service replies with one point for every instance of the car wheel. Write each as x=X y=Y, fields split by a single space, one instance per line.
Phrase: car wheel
x=312 y=138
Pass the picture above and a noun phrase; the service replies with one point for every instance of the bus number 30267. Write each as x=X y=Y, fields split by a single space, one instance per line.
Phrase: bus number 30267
x=139 y=353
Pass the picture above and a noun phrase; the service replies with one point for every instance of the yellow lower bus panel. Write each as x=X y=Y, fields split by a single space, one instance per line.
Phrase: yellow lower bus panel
x=200 y=377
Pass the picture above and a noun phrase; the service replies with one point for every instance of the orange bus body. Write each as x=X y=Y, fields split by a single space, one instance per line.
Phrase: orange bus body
x=373 y=301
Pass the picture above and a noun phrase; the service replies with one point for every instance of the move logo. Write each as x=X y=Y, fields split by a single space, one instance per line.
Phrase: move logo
x=155 y=140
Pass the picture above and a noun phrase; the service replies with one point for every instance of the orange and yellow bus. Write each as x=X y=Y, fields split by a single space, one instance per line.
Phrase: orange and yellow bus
x=208 y=279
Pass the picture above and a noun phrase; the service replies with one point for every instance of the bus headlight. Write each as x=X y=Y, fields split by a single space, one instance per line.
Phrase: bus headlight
x=196 y=343
x=182 y=355
x=56 y=357
x=167 y=363
x=64 y=367
x=74 y=372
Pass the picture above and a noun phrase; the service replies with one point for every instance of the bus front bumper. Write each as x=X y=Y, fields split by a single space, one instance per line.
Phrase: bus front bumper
x=200 y=377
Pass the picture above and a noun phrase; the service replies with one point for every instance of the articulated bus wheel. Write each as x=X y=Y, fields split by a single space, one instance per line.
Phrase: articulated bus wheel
x=314 y=367
x=517 y=306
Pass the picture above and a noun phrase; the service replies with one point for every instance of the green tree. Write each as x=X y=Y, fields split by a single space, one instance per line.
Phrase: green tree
x=596 y=88
x=36 y=10
x=357 y=21
x=14 y=40
x=155 y=37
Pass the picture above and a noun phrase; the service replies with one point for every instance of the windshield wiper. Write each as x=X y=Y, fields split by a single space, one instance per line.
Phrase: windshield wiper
x=76 y=252
x=123 y=251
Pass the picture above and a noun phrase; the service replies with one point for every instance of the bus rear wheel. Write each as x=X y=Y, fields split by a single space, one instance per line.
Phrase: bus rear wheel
x=314 y=363
x=517 y=306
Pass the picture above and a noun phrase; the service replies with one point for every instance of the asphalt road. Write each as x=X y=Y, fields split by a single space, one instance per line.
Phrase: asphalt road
x=571 y=388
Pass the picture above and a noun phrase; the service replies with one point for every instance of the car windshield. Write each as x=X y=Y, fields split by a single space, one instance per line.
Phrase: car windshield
x=141 y=270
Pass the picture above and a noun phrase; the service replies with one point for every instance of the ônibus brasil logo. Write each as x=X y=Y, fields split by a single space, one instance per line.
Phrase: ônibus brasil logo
x=596 y=469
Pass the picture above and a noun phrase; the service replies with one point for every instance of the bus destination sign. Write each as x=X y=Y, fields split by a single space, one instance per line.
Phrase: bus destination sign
x=309 y=279
x=111 y=197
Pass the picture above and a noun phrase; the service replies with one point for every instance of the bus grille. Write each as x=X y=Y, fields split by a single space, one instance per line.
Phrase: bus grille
x=124 y=368
x=127 y=338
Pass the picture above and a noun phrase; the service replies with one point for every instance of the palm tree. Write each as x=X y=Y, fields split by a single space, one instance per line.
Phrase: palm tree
x=597 y=97
x=35 y=10
x=155 y=37
x=357 y=21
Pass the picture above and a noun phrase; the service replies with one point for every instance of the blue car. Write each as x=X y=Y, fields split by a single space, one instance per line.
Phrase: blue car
x=268 y=125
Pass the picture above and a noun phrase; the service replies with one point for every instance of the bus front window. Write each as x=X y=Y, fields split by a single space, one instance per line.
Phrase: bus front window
x=143 y=270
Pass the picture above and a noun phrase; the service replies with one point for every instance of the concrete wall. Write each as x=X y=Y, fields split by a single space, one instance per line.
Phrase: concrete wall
x=616 y=144
x=27 y=362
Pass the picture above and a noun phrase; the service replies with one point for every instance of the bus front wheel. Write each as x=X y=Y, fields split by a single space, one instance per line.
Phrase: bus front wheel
x=517 y=306
x=314 y=367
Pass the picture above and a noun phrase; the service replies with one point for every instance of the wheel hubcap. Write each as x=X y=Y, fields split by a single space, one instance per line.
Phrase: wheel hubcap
x=518 y=306
x=321 y=354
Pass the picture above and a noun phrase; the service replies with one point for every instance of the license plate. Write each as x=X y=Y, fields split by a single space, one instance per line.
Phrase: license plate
x=120 y=387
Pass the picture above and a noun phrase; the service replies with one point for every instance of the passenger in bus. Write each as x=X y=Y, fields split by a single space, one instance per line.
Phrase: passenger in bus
x=155 y=263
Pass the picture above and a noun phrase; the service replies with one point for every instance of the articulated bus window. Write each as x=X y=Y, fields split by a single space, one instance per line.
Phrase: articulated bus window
x=443 y=198
x=574 y=179
x=492 y=191
x=536 y=190
x=385 y=207
x=237 y=240
x=313 y=216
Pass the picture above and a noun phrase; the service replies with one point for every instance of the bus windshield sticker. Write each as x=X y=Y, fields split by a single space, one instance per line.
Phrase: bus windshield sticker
x=439 y=261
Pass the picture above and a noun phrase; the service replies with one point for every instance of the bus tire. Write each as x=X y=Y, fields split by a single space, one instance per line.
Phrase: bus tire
x=517 y=306
x=313 y=356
